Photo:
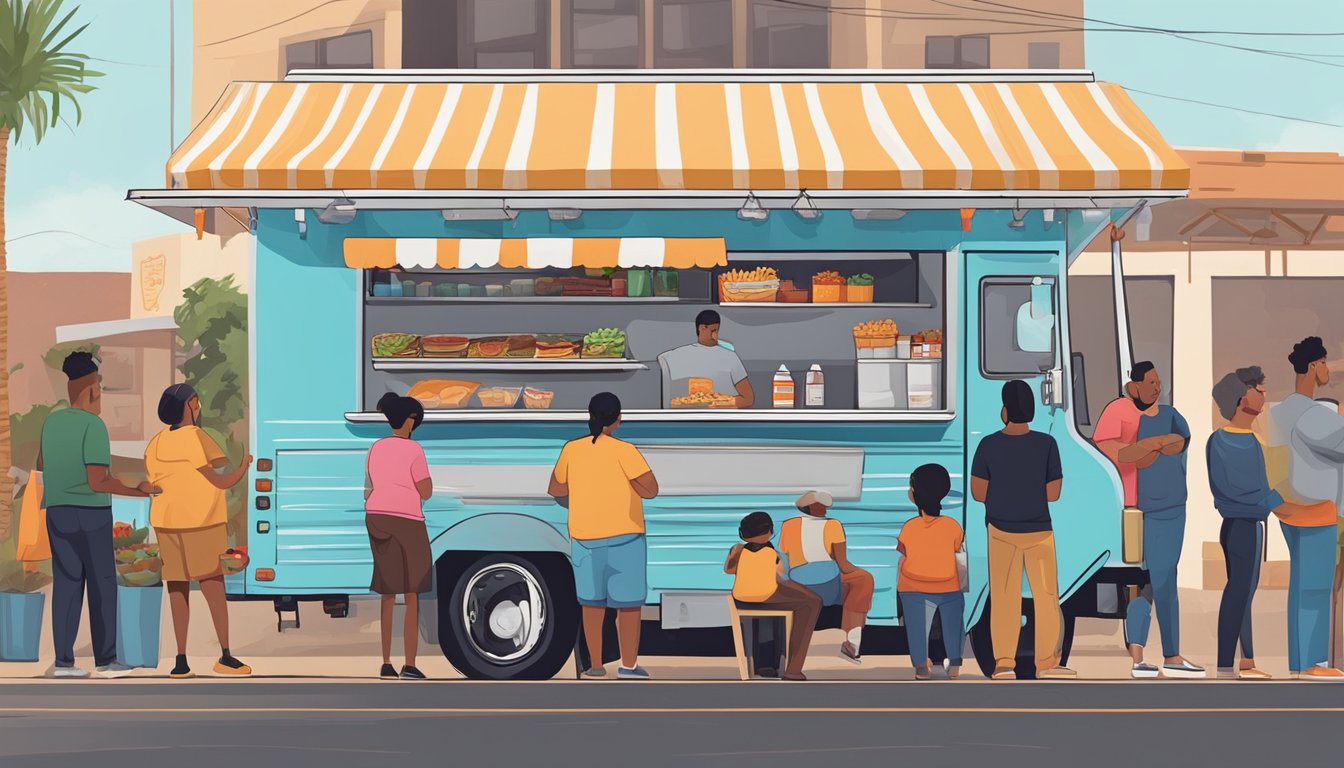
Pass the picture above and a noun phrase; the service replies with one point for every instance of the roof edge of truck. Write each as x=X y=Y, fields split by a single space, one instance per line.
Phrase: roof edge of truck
x=691 y=76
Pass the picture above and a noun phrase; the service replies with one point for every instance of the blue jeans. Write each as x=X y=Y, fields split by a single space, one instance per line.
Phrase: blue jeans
x=919 y=608
x=1163 y=535
x=611 y=573
x=1310 y=582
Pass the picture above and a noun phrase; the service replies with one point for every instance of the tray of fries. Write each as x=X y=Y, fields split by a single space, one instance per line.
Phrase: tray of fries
x=750 y=286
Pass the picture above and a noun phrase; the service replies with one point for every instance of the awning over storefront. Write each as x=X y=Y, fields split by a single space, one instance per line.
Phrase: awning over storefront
x=812 y=133
x=535 y=253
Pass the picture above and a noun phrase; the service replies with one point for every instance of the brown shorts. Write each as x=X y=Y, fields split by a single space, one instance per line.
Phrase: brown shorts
x=192 y=554
x=401 y=557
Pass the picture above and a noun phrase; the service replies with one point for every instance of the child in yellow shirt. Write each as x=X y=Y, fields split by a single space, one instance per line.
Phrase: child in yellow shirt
x=758 y=583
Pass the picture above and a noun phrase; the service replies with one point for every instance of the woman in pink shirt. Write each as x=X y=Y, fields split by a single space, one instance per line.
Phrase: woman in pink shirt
x=397 y=484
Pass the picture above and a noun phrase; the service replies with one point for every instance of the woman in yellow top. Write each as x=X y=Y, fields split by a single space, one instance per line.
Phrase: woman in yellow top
x=759 y=583
x=190 y=519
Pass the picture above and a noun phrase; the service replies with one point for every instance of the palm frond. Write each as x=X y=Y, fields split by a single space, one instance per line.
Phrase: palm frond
x=39 y=77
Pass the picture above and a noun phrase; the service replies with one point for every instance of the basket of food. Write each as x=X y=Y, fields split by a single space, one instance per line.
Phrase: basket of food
x=704 y=400
x=859 y=289
x=499 y=397
x=828 y=288
x=876 y=338
x=443 y=393
x=234 y=560
x=604 y=343
x=792 y=294
x=754 y=286
x=537 y=399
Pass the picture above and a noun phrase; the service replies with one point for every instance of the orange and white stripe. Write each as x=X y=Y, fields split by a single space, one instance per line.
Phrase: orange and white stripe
x=535 y=253
x=581 y=136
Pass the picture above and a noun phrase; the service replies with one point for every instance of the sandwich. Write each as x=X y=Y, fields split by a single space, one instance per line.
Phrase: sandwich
x=444 y=346
x=522 y=346
x=396 y=345
x=488 y=346
x=554 y=346
x=537 y=399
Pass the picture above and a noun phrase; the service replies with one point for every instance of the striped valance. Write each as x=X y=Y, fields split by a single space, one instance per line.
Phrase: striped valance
x=534 y=253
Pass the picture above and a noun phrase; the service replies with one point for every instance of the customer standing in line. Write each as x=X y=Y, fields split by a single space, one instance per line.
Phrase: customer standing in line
x=603 y=482
x=75 y=457
x=1016 y=474
x=927 y=580
x=1315 y=437
x=190 y=519
x=397 y=484
x=1242 y=495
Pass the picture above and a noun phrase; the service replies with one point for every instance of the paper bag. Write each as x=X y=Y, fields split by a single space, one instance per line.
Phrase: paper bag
x=33 y=544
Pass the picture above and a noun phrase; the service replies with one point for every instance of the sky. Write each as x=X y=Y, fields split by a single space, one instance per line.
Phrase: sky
x=66 y=208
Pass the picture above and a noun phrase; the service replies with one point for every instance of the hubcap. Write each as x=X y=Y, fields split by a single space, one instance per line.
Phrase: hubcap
x=504 y=612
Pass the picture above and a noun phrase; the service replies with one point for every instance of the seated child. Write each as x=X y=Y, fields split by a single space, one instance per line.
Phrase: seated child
x=758 y=584
x=927 y=579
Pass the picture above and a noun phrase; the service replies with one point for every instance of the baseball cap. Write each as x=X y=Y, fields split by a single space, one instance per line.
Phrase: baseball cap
x=815 y=497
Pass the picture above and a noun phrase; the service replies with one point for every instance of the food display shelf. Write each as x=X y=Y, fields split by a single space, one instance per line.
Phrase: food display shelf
x=824 y=304
x=899 y=360
x=688 y=415
x=618 y=300
x=503 y=364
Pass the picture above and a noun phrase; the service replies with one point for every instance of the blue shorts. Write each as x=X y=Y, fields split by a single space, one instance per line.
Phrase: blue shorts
x=611 y=573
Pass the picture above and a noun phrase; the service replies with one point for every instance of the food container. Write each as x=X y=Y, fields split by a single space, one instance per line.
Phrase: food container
x=917 y=347
x=478 y=291
x=443 y=393
x=639 y=283
x=858 y=294
x=792 y=295
x=618 y=286
x=407 y=287
x=537 y=399
x=463 y=290
x=233 y=561
x=762 y=292
x=827 y=293
x=923 y=385
x=494 y=291
x=523 y=287
x=498 y=397
x=394 y=288
x=445 y=290
x=423 y=288
x=903 y=348
x=382 y=289
x=666 y=283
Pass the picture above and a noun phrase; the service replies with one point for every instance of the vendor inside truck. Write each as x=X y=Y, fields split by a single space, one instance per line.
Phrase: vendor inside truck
x=707 y=360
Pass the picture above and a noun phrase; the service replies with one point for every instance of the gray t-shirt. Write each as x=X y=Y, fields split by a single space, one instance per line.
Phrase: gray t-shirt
x=696 y=361
x=1314 y=431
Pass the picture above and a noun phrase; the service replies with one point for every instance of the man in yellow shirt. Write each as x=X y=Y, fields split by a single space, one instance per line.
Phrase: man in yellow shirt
x=603 y=482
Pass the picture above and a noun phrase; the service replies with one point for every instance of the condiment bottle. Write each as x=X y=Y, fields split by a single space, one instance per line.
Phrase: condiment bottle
x=917 y=346
x=783 y=388
x=814 y=392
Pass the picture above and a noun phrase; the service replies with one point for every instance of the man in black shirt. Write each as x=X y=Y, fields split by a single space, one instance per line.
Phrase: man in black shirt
x=1016 y=474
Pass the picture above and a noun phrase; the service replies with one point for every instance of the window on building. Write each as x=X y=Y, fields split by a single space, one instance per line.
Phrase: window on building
x=352 y=51
x=605 y=33
x=956 y=52
x=1043 y=55
x=787 y=35
x=504 y=34
x=693 y=33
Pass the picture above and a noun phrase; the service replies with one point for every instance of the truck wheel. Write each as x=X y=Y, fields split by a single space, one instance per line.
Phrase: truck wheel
x=508 y=617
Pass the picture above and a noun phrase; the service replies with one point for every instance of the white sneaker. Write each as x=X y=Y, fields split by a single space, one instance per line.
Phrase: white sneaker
x=113 y=670
x=1184 y=670
x=68 y=673
x=1143 y=671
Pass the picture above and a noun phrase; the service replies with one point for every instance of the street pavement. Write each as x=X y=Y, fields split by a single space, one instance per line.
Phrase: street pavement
x=263 y=722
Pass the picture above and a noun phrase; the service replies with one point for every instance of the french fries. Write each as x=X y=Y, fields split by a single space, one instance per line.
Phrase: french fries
x=757 y=275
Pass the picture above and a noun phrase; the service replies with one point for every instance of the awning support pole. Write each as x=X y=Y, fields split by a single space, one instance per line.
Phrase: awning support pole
x=1124 y=340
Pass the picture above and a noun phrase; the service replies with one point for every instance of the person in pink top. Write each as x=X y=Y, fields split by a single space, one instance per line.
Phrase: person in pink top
x=396 y=485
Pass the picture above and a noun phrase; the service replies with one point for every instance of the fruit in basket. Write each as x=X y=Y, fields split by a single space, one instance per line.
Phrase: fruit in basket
x=757 y=275
x=125 y=557
x=604 y=342
x=875 y=328
x=142 y=579
x=396 y=345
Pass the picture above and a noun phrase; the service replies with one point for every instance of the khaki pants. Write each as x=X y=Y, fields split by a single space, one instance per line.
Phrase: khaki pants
x=1009 y=554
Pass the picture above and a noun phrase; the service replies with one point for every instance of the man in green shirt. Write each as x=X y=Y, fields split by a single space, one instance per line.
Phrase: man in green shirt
x=75 y=459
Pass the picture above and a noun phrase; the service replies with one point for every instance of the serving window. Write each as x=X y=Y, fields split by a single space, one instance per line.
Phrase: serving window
x=492 y=338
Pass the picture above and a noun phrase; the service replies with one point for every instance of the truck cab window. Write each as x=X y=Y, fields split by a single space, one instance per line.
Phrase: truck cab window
x=1017 y=327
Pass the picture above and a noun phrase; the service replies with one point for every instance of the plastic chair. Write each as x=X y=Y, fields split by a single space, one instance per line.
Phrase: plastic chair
x=735 y=617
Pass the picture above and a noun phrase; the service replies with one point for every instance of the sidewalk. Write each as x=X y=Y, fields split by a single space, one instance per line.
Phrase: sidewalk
x=349 y=648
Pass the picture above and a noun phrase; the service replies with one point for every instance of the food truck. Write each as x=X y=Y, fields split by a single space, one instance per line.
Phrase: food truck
x=503 y=245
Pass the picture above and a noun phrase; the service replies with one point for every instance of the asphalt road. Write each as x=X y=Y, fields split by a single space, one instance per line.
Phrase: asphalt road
x=277 y=722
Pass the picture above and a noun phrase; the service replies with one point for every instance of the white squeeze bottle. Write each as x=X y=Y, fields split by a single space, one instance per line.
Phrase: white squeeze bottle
x=814 y=391
x=783 y=388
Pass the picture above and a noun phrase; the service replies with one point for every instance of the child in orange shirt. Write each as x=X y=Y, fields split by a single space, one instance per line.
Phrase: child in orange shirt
x=758 y=584
x=927 y=579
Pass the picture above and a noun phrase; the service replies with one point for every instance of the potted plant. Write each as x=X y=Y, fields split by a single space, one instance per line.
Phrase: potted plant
x=139 y=596
x=21 y=603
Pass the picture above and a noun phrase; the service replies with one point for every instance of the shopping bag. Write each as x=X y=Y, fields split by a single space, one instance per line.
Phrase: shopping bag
x=963 y=572
x=1132 y=542
x=33 y=543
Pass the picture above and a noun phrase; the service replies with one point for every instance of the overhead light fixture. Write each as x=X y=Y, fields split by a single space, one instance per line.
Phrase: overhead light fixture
x=1018 y=221
x=340 y=211
x=301 y=218
x=805 y=207
x=564 y=214
x=877 y=214
x=752 y=210
x=504 y=213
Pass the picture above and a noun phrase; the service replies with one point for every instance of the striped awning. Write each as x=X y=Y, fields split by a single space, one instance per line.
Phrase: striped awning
x=382 y=135
x=534 y=253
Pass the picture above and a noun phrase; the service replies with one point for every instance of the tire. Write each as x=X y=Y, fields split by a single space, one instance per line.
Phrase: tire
x=983 y=647
x=532 y=595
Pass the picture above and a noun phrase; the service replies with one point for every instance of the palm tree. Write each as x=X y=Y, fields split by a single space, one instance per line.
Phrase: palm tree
x=37 y=74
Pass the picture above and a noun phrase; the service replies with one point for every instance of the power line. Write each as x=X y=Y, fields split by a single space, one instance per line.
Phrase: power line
x=248 y=33
x=58 y=232
x=1235 y=109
